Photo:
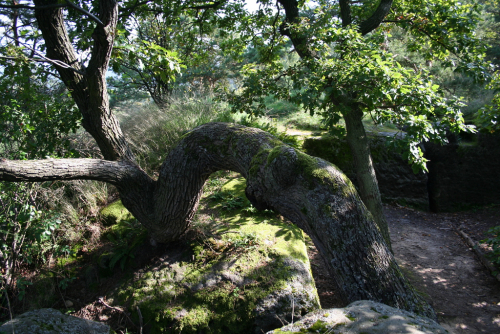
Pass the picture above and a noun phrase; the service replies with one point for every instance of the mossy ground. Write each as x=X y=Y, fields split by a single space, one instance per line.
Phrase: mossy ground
x=115 y=213
x=217 y=285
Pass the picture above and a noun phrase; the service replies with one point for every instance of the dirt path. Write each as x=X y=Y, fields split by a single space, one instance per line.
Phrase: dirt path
x=440 y=265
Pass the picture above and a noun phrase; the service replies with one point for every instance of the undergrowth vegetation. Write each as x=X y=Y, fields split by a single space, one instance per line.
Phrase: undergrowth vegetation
x=49 y=231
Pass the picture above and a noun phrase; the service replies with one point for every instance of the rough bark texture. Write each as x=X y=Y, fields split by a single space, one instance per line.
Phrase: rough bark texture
x=88 y=89
x=365 y=172
x=309 y=191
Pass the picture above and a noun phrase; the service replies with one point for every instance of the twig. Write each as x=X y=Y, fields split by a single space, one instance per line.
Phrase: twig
x=101 y=300
x=43 y=59
x=8 y=303
x=83 y=11
x=140 y=319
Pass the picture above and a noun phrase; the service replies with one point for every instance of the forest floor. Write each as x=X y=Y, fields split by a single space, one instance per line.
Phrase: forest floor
x=433 y=256
x=440 y=265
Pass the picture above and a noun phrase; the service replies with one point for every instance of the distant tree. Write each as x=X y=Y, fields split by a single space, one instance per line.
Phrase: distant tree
x=345 y=72
x=169 y=46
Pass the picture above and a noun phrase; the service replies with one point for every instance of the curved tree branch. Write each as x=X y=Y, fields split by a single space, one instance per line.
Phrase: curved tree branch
x=312 y=193
x=376 y=18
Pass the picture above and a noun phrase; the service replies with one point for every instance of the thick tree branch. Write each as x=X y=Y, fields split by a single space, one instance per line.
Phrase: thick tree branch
x=135 y=186
x=89 y=91
x=345 y=12
x=300 y=41
x=112 y=172
x=311 y=192
x=370 y=23
x=376 y=18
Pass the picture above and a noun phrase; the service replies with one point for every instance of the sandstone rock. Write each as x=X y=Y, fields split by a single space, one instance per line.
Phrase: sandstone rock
x=363 y=317
x=50 y=321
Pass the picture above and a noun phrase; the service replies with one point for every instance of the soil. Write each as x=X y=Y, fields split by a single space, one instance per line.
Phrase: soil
x=441 y=265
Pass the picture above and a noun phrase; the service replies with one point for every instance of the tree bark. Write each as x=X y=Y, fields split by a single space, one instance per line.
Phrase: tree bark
x=365 y=172
x=89 y=89
x=309 y=191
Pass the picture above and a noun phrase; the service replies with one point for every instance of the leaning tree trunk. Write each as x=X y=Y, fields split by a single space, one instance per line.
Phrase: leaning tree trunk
x=356 y=136
x=86 y=85
x=365 y=172
x=309 y=191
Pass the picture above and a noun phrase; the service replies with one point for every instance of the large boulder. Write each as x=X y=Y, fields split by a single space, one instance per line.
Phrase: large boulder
x=249 y=273
x=363 y=317
x=50 y=321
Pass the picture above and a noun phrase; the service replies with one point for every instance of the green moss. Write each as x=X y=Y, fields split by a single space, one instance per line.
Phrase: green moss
x=320 y=327
x=193 y=295
x=309 y=167
x=115 y=213
x=257 y=161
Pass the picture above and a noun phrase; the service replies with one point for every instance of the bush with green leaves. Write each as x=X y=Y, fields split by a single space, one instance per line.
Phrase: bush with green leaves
x=494 y=243
x=27 y=232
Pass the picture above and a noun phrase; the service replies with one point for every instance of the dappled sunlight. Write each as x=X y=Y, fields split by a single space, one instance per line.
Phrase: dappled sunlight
x=444 y=270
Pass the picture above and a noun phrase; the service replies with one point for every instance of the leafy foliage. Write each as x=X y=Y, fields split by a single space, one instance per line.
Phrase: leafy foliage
x=348 y=71
x=494 y=243
x=489 y=116
x=36 y=115
x=27 y=234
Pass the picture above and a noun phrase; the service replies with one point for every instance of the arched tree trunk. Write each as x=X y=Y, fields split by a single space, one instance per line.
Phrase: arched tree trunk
x=309 y=191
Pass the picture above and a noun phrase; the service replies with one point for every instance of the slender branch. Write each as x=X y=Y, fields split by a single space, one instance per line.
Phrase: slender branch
x=68 y=4
x=32 y=7
x=43 y=59
x=83 y=11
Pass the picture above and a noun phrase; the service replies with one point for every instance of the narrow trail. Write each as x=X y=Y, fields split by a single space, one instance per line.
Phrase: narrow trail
x=440 y=265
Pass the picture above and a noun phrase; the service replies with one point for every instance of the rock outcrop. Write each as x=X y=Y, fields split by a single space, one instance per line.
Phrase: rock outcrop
x=249 y=273
x=50 y=321
x=363 y=317
x=396 y=179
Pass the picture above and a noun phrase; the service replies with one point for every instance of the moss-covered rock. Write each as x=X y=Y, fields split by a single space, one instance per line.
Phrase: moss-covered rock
x=115 y=213
x=50 y=321
x=251 y=276
x=395 y=177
